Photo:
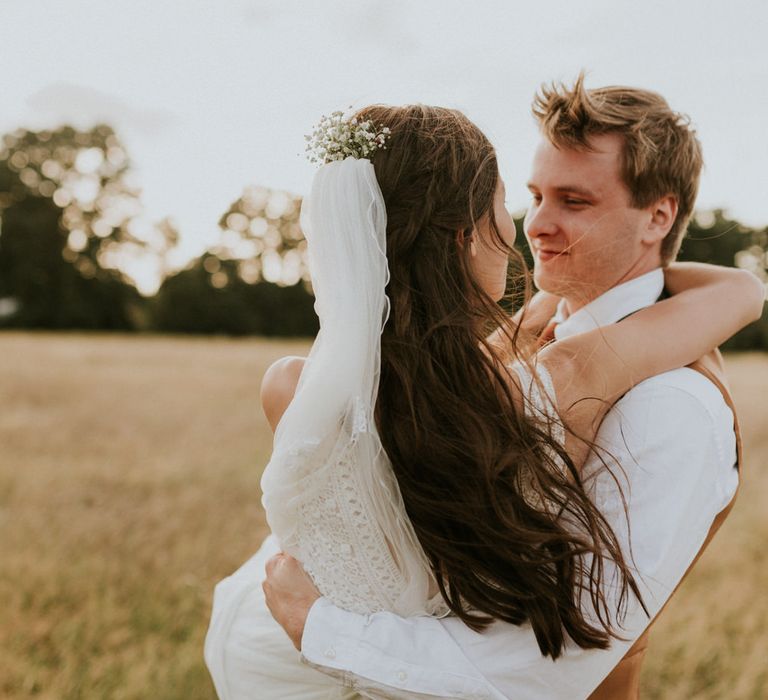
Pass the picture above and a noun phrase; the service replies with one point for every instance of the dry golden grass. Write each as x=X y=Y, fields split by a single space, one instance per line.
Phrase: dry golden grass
x=129 y=484
x=712 y=640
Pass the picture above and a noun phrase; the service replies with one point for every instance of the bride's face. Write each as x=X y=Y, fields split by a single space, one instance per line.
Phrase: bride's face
x=489 y=260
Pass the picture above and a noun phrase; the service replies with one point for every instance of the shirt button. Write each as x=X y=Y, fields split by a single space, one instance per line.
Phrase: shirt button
x=330 y=653
x=402 y=676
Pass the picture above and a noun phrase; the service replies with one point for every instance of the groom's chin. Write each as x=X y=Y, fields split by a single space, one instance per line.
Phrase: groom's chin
x=562 y=285
x=544 y=281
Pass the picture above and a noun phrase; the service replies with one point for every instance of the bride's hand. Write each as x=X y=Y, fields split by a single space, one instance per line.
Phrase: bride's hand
x=539 y=311
x=290 y=594
x=532 y=319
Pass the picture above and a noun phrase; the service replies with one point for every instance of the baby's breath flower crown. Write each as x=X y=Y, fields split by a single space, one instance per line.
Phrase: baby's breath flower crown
x=338 y=137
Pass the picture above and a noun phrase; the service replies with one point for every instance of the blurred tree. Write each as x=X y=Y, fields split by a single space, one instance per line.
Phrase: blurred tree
x=39 y=289
x=714 y=238
x=210 y=296
x=69 y=221
x=261 y=230
x=254 y=281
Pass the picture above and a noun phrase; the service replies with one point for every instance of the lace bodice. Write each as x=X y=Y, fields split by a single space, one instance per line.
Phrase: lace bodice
x=343 y=540
x=343 y=549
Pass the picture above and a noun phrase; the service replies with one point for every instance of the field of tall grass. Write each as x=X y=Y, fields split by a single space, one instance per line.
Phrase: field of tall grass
x=129 y=485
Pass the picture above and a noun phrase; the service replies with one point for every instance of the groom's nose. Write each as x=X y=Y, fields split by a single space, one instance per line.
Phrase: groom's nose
x=540 y=222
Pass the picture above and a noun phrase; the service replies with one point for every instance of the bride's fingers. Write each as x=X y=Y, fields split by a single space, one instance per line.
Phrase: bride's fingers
x=285 y=573
x=273 y=562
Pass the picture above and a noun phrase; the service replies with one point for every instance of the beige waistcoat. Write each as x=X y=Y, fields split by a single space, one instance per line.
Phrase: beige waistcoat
x=623 y=683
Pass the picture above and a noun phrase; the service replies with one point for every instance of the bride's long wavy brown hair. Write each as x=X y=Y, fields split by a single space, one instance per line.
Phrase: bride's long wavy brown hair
x=496 y=502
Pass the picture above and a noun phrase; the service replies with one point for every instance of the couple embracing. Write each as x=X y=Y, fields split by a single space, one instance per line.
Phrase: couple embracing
x=467 y=504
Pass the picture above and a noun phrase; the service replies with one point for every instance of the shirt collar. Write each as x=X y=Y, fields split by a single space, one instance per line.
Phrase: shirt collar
x=612 y=306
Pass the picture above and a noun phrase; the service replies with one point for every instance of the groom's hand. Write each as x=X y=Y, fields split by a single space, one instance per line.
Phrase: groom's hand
x=290 y=594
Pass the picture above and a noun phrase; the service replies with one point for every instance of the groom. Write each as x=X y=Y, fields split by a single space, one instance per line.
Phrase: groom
x=610 y=162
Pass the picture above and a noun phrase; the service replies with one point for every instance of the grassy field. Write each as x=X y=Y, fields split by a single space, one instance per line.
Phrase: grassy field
x=129 y=484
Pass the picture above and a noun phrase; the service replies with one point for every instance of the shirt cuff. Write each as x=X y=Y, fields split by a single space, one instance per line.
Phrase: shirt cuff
x=354 y=648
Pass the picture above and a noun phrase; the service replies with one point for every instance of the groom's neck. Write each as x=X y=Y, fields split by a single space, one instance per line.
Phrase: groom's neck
x=589 y=292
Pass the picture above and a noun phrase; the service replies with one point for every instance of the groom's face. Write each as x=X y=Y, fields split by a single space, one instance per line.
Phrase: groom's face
x=583 y=231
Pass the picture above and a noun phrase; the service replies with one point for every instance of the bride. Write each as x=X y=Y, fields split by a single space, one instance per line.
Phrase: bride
x=419 y=463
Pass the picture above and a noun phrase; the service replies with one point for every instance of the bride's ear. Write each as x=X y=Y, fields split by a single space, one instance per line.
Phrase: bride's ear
x=467 y=238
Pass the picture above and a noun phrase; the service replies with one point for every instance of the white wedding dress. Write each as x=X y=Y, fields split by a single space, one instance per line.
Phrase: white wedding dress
x=330 y=495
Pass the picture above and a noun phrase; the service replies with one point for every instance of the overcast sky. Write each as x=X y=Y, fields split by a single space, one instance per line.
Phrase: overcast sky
x=209 y=97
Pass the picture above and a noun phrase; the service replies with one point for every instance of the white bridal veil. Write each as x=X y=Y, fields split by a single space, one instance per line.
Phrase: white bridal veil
x=330 y=420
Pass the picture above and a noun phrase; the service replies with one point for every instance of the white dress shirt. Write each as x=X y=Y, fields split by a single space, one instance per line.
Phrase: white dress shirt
x=672 y=437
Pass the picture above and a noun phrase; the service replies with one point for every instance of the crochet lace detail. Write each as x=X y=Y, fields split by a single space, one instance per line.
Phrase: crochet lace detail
x=342 y=549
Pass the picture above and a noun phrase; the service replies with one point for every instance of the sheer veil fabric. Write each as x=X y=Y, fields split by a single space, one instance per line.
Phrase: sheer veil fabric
x=330 y=495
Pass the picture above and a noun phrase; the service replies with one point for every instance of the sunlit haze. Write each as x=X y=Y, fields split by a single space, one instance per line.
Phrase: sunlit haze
x=209 y=98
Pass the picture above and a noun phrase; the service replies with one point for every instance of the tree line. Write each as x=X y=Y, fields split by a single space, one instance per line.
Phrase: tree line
x=73 y=234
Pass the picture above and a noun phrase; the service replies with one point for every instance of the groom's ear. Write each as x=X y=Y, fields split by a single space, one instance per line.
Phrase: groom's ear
x=663 y=213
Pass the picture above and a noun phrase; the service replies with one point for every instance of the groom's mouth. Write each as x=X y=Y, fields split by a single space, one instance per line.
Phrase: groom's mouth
x=544 y=255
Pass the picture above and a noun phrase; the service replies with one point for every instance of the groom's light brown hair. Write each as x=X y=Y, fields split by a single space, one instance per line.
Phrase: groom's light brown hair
x=661 y=154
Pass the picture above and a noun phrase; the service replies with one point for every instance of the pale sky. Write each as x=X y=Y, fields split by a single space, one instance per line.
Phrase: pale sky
x=209 y=97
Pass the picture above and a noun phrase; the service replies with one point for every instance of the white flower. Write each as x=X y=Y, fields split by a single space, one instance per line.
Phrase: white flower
x=337 y=137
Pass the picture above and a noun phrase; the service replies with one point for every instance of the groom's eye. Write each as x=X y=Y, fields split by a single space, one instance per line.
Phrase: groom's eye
x=575 y=202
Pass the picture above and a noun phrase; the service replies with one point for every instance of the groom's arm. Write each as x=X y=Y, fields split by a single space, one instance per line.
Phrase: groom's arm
x=386 y=656
x=673 y=439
